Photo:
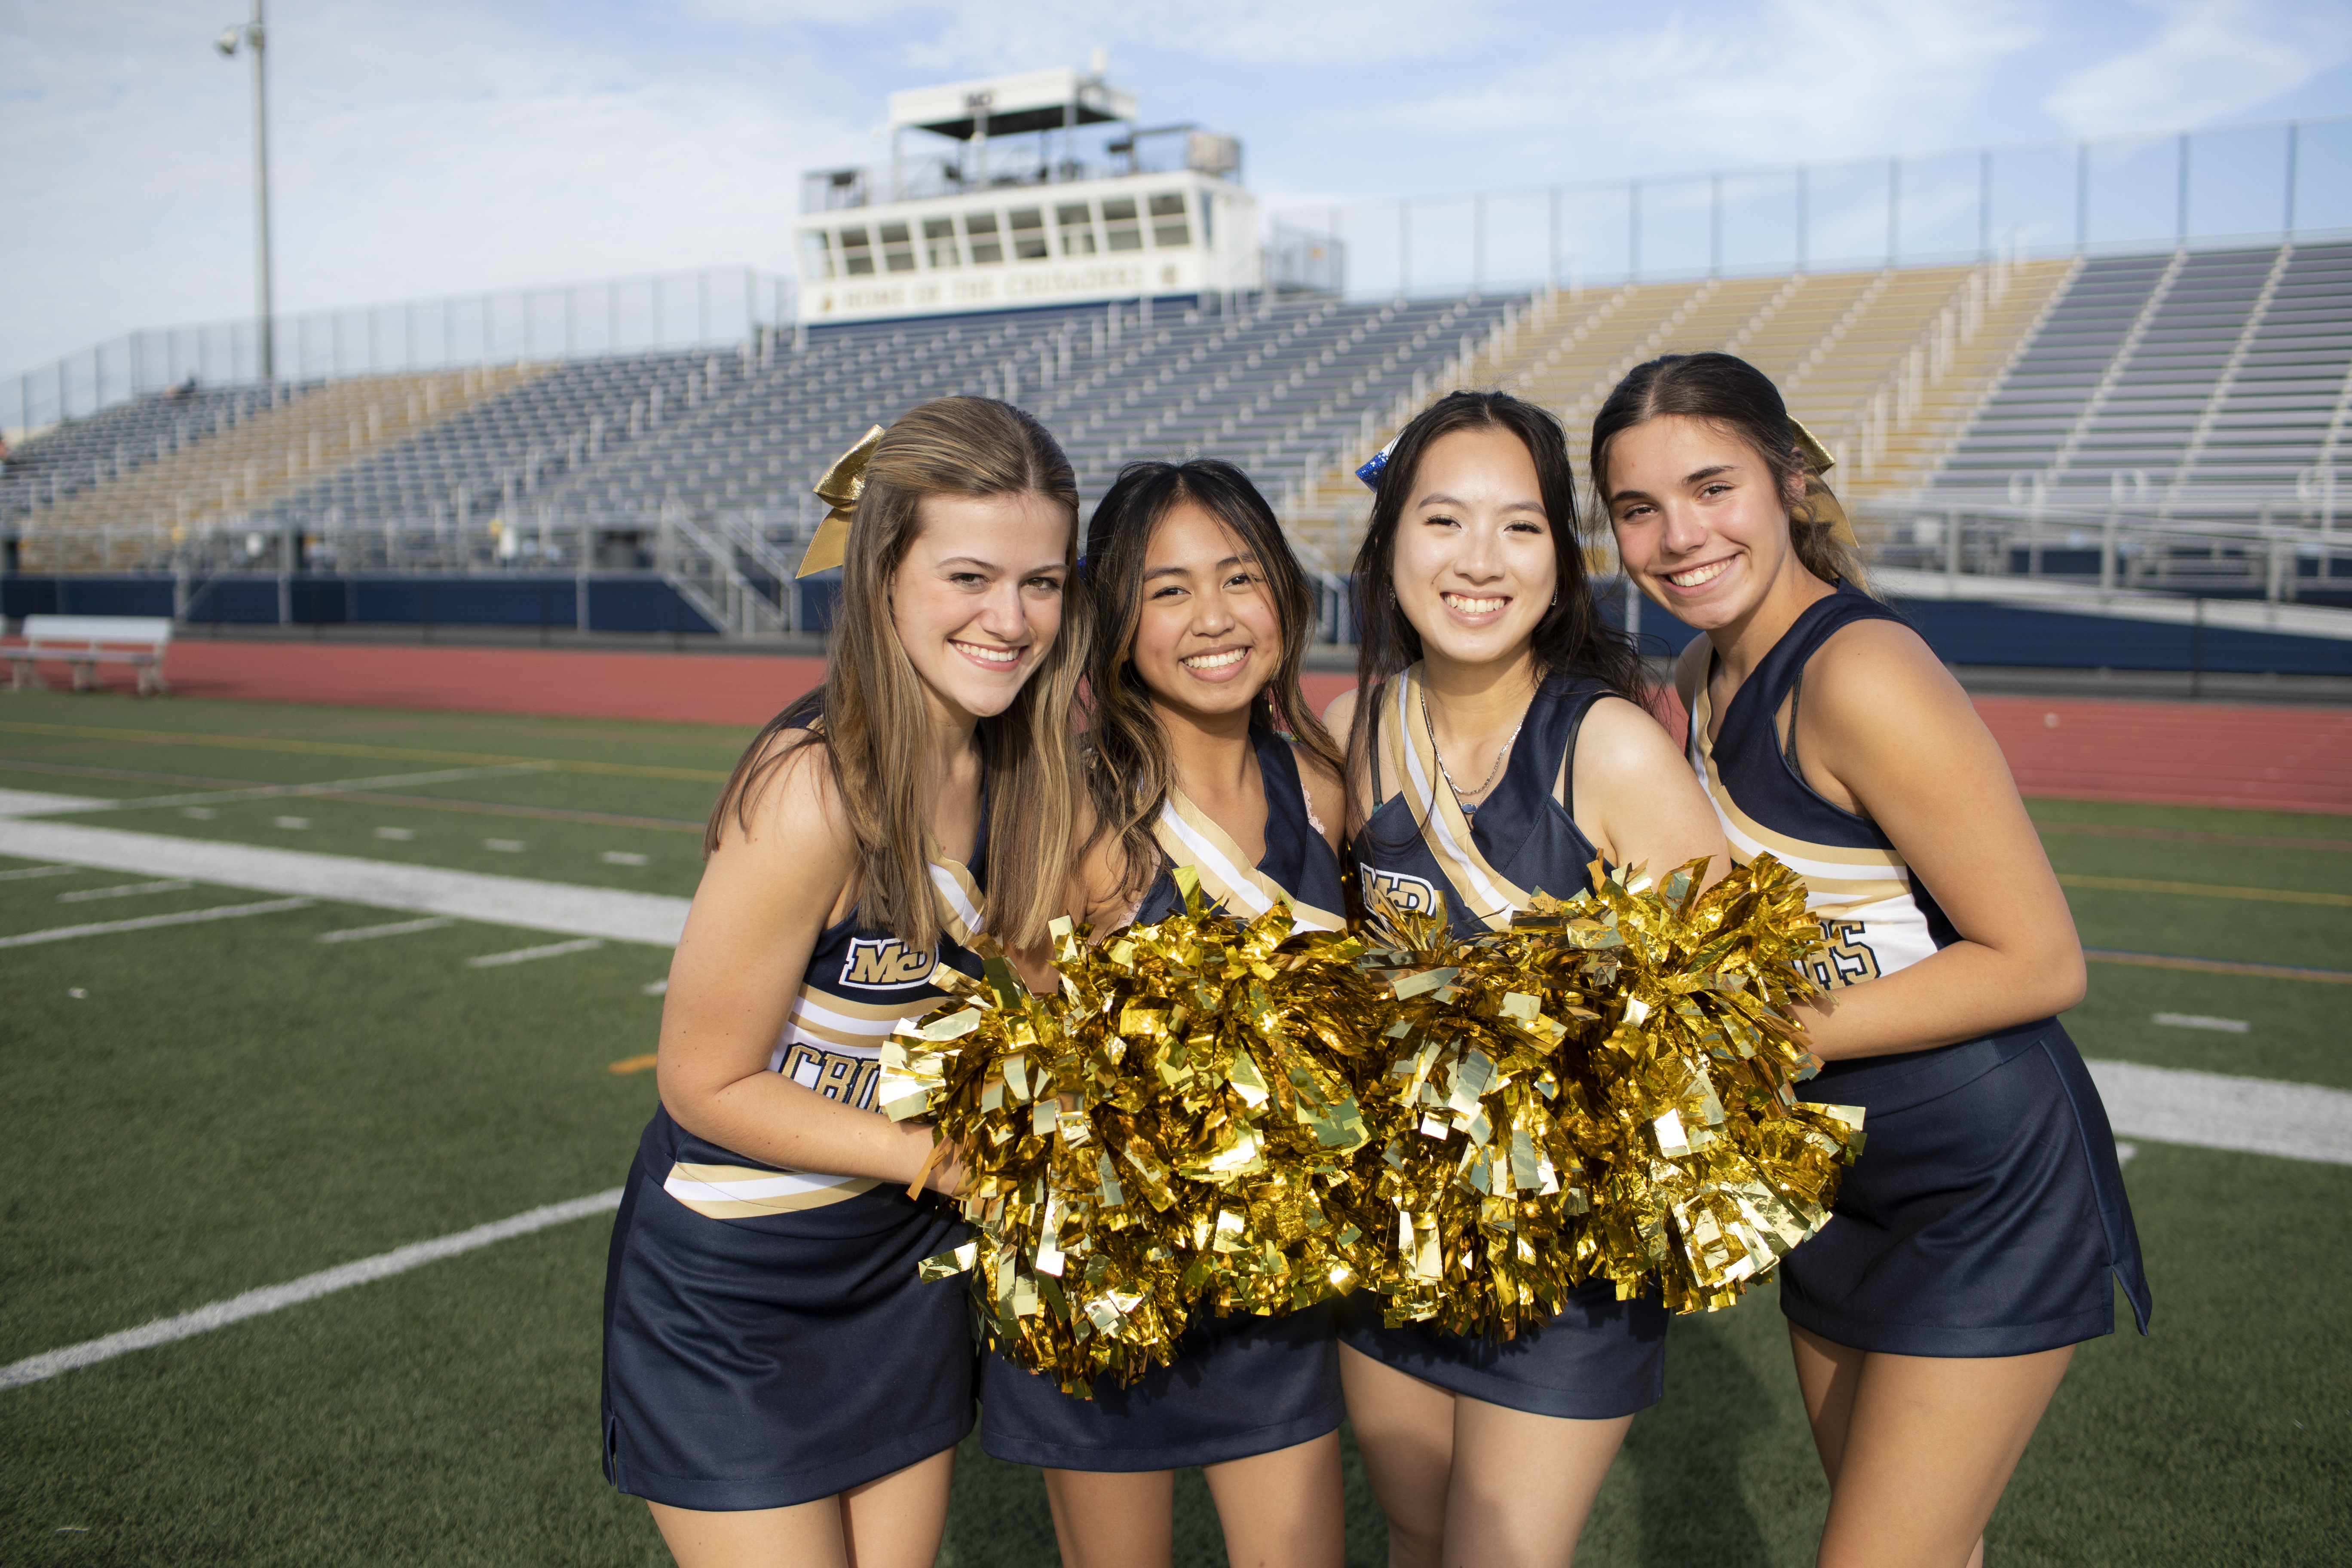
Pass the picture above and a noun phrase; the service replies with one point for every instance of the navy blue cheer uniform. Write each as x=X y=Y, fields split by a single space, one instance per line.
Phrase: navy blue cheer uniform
x=1240 y=1384
x=1600 y=1358
x=767 y=1341
x=1987 y=1213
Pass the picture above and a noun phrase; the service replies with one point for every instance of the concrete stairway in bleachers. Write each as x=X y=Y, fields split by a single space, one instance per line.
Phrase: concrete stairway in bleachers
x=1885 y=367
x=234 y=473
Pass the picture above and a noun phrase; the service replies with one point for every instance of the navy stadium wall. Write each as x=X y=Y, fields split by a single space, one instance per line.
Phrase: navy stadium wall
x=620 y=603
x=1961 y=632
x=1973 y=633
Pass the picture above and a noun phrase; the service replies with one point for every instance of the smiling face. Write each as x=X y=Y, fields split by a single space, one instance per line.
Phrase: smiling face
x=976 y=598
x=1475 y=567
x=1207 y=635
x=1701 y=522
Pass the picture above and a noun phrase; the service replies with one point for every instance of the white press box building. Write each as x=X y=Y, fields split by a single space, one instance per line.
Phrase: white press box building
x=1017 y=213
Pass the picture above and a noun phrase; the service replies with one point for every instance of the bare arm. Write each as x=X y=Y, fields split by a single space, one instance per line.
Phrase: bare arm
x=1884 y=729
x=1637 y=800
x=1095 y=896
x=1326 y=795
x=766 y=895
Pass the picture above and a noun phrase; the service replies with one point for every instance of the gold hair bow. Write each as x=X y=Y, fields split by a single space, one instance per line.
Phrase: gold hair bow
x=839 y=488
x=1820 y=505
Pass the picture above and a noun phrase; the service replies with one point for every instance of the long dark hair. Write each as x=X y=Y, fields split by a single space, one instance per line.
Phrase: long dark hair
x=1572 y=639
x=875 y=721
x=1735 y=396
x=1128 y=768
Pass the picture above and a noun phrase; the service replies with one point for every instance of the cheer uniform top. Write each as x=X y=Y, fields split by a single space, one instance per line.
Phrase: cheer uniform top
x=1600 y=1358
x=767 y=1339
x=1986 y=1212
x=1239 y=1384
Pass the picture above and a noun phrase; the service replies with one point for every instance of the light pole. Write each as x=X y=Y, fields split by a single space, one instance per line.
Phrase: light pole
x=249 y=34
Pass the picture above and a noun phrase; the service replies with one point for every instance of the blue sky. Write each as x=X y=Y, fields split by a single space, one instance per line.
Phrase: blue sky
x=437 y=147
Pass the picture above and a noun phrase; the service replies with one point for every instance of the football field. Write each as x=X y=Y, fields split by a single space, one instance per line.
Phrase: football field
x=289 y=990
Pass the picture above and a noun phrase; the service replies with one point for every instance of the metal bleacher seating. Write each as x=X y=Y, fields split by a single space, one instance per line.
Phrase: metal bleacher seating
x=222 y=484
x=73 y=457
x=1884 y=365
x=611 y=445
x=2186 y=387
x=2197 y=381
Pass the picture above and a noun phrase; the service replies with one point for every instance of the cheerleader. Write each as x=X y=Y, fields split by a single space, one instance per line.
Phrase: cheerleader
x=779 y=1385
x=1202 y=610
x=1496 y=749
x=1971 y=1245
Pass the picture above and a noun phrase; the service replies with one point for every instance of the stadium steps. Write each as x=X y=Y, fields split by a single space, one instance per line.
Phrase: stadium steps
x=1885 y=367
x=231 y=477
x=1974 y=368
x=67 y=459
x=2167 y=380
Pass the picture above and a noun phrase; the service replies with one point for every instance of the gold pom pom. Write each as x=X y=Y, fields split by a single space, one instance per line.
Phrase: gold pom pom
x=1159 y=1138
x=1604 y=1090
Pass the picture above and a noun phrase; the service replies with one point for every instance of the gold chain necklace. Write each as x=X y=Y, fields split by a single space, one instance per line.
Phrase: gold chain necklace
x=1469 y=808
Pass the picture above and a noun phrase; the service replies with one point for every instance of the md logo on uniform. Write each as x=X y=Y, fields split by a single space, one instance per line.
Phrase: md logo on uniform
x=886 y=963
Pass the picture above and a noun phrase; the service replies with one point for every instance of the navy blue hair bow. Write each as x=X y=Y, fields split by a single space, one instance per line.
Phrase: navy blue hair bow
x=1371 y=471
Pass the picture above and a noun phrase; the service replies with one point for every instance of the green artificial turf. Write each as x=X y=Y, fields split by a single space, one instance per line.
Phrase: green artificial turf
x=236 y=1104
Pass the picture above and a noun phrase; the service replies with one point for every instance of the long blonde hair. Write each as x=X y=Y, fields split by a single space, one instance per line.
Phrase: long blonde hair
x=870 y=712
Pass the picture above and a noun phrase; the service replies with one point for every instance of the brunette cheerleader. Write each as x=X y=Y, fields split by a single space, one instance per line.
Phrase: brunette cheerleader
x=779 y=1385
x=1496 y=749
x=1200 y=754
x=1972 y=1244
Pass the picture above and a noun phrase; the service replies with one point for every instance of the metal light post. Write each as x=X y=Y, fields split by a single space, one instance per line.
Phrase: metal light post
x=249 y=34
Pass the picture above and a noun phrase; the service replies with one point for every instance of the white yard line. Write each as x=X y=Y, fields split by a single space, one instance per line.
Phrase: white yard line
x=279 y=792
x=525 y=954
x=612 y=913
x=21 y=874
x=126 y=890
x=398 y=928
x=149 y=922
x=2212 y=1110
x=2256 y=1115
x=33 y=803
x=270 y=1299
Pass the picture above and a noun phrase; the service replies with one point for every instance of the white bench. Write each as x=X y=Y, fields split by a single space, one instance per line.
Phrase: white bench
x=85 y=642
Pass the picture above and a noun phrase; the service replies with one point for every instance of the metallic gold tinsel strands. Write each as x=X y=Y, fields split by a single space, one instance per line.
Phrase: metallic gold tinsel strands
x=1212 y=1117
x=1161 y=1137
x=1604 y=1090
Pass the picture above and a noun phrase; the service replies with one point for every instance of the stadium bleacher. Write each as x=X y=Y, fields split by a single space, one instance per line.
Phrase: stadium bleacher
x=614 y=442
x=2194 y=374
x=107 y=445
x=2189 y=387
x=226 y=475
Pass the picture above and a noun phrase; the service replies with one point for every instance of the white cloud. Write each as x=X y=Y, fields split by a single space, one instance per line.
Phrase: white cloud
x=2208 y=59
x=979 y=36
x=436 y=149
x=1809 y=79
x=424 y=147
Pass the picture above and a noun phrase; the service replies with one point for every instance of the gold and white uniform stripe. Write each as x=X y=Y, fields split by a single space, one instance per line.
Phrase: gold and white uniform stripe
x=1863 y=894
x=1190 y=836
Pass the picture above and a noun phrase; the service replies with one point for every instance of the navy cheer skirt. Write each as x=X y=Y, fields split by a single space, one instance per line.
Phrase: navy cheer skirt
x=1238 y=1386
x=763 y=1362
x=1987 y=1214
x=1599 y=1359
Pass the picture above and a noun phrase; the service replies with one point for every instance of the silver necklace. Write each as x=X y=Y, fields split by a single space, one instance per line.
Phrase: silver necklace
x=1469 y=808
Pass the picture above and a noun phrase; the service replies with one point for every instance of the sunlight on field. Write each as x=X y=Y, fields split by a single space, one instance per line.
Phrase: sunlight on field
x=199 y=1106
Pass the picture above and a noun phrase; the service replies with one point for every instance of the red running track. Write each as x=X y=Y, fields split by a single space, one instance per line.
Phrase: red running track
x=573 y=683
x=2287 y=759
